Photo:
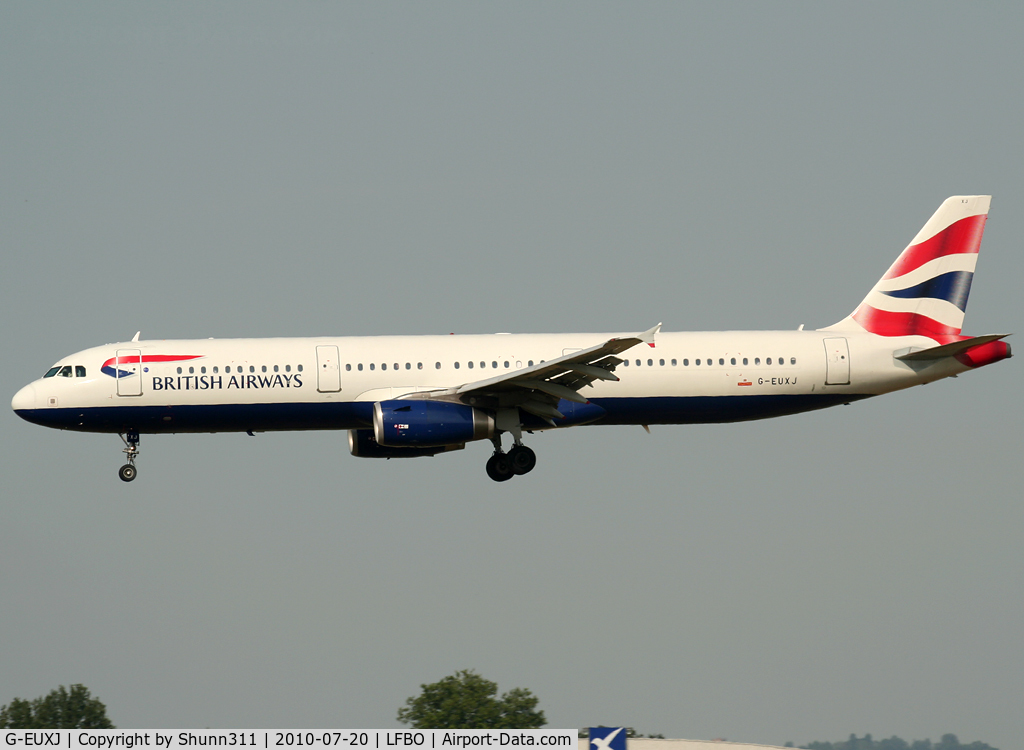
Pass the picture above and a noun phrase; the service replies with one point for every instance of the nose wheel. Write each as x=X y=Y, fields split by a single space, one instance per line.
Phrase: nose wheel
x=128 y=472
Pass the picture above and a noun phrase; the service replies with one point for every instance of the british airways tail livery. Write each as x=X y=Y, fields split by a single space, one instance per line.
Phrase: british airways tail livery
x=408 y=396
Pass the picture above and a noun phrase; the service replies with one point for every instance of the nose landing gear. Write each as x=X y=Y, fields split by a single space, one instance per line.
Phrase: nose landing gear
x=128 y=472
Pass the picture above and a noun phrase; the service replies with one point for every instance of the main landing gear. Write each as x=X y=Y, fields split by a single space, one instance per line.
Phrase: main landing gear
x=128 y=472
x=503 y=466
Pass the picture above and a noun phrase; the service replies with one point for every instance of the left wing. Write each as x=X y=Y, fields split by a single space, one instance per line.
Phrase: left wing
x=538 y=389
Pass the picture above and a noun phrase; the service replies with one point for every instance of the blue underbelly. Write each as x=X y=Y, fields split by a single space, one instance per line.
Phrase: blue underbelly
x=207 y=417
x=356 y=415
x=714 y=409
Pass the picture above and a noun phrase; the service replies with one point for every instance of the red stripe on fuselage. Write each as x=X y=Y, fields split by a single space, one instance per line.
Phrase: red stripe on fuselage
x=151 y=358
x=963 y=236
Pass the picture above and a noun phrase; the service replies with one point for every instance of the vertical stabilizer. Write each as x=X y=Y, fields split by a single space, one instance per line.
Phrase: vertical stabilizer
x=925 y=291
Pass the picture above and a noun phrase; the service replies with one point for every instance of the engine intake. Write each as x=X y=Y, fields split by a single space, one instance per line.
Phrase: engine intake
x=425 y=423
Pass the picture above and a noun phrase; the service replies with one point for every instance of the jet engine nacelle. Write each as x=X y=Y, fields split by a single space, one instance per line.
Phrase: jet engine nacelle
x=424 y=423
x=362 y=444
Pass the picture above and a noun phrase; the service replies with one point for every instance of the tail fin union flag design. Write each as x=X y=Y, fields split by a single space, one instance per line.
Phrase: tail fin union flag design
x=110 y=366
x=925 y=291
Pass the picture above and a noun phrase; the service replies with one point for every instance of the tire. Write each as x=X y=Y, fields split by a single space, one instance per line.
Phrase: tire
x=499 y=467
x=523 y=459
x=127 y=473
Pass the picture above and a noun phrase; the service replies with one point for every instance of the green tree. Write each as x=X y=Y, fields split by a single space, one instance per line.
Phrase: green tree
x=465 y=700
x=948 y=742
x=61 y=709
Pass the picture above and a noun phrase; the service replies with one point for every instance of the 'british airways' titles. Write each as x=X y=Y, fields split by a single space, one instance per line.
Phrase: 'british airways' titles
x=217 y=382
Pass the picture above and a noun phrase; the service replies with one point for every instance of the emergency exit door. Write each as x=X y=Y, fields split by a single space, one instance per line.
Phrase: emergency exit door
x=837 y=362
x=328 y=369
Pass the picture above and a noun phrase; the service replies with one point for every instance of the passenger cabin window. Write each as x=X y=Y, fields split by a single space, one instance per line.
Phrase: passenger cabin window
x=757 y=360
x=745 y=361
x=348 y=368
x=288 y=368
x=299 y=368
x=768 y=361
x=79 y=371
x=792 y=360
x=686 y=363
x=732 y=361
x=456 y=365
x=650 y=363
x=437 y=365
x=721 y=360
x=470 y=364
x=673 y=363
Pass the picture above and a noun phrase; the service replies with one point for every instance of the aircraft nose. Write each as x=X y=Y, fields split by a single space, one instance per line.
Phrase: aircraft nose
x=24 y=399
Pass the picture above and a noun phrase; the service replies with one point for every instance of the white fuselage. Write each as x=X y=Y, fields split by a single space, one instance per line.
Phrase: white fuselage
x=213 y=385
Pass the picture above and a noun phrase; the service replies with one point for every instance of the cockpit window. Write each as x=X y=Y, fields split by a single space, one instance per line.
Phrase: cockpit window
x=79 y=371
x=65 y=371
x=51 y=372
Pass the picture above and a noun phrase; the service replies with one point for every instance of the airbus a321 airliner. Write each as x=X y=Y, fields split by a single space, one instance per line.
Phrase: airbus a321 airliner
x=407 y=396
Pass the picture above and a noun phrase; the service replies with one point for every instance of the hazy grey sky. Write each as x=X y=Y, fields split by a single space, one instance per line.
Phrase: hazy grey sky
x=259 y=169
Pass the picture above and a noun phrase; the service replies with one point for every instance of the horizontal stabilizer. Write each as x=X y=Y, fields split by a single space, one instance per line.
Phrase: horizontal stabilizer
x=950 y=350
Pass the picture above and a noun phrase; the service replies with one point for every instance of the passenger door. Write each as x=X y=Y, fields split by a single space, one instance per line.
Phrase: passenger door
x=837 y=362
x=128 y=372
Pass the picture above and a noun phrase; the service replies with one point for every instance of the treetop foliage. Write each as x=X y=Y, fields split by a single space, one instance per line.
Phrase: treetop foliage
x=61 y=709
x=465 y=700
x=948 y=742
